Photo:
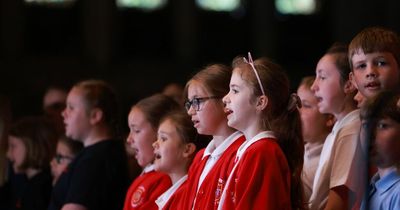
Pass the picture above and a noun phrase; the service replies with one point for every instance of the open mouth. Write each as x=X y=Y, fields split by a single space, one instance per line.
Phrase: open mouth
x=372 y=85
x=228 y=111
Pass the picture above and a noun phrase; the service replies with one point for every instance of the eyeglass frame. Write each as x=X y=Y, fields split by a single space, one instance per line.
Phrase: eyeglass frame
x=59 y=157
x=197 y=101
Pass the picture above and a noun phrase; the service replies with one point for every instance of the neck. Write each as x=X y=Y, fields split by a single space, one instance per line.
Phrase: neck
x=96 y=136
x=344 y=110
x=222 y=135
x=175 y=176
x=31 y=172
x=384 y=171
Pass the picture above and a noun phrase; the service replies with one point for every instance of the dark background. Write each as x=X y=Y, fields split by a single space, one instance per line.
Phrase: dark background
x=140 y=52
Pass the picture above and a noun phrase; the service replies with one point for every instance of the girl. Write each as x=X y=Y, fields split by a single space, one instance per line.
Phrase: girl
x=337 y=179
x=268 y=164
x=315 y=128
x=143 y=121
x=98 y=176
x=382 y=114
x=211 y=166
x=66 y=151
x=174 y=151
x=29 y=150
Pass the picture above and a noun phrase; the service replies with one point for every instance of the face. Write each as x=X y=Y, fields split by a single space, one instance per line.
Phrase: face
x=169 y=149
x=16 y=152
x=314 y=124
x=374 y=72
x=327 y=87
x=210 y=119
x=384 y=150
x=141 y=137
x=76 y=116
x=60 y=162
x=241 y=113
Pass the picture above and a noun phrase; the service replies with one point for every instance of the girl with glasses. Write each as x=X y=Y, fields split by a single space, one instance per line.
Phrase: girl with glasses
x=211 y=166
x=66 y=151
x=267 y=167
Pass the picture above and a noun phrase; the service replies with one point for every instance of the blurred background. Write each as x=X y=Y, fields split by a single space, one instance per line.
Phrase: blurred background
x=139 y=46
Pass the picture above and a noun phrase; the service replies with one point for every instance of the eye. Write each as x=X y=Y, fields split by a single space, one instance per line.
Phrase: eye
x=381 y=63
x=360 y=66
x=382 y=125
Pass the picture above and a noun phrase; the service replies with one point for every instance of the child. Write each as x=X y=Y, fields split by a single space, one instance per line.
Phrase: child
x=382 y=114
x=374 y=56
x=336 y=180
x=143 y=120
x=174 y=151
x=29 y=150
x=97 y=178
x=66 y=151
x=212 y=165
x=315 y=127
x=268 y=164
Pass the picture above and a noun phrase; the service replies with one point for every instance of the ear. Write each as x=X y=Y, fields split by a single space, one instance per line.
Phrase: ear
x=330 y=121
x=96 y=115
x=189 y=150
x=352 y=79
x=349 y=87
x=262 y=102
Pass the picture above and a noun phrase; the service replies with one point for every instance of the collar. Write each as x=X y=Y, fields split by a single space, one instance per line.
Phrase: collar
x=164 y=198
x=248 y=143
x=148 y=168
x=386 y=182
x=218 y=151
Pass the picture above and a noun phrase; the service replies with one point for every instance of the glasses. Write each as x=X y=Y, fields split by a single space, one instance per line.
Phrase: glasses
x=60 y=158
x=195 y=102
x=251 y=63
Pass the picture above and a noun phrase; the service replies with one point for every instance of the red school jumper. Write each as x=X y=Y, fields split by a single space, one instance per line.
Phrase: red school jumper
x=261 y=179
x=145 y=190
x=208 y=195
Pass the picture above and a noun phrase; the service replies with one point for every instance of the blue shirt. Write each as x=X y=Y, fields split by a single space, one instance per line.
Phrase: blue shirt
x=384 y=193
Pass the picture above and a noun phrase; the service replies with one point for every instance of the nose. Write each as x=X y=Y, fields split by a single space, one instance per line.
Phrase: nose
x=372 y=72
x=314 y=86
x=129 y=139
x=155 y=144
x=191 y=111
x=225 y=99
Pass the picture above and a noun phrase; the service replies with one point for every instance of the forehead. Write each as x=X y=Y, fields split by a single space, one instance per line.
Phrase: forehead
x=360 y=55
x=136 y=116
x=15 y=140
x=167 y=126
x=326 y=65
x=196 y=89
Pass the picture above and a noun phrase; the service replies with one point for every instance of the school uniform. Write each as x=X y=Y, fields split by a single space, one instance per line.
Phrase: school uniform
x=312 y=153
x=165 y=200
x=340 y=162
x=384 y=193
x=209 y=172
x=260 y=177
x=146 y=188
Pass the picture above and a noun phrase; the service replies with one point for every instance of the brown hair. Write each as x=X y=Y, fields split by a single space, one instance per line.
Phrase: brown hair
x=156 y=107
x=307 y=81
x=339 y=51
x=39 y=137
x=99 y=94
x=184 y=127
x=375 y=39
x=285 y=124
x=74 y=146
x=215 y=78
